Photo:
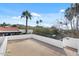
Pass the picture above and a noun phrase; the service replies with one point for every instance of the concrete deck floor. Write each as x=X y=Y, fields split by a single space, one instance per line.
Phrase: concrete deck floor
x=32 y=47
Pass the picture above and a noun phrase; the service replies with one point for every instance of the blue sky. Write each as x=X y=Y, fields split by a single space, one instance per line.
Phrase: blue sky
x=48 y=12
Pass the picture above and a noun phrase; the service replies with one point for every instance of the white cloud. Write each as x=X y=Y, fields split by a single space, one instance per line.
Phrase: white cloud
x=16 y=17
x=35 y=14
x=62 y=10
x=48 y=19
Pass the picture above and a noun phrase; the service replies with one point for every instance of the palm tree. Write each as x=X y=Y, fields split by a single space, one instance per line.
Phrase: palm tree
x=26 y=14
x=40 y=21
x=37 y=22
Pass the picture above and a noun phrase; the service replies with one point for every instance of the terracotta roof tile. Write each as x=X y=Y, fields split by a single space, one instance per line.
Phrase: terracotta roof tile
x=9 y=29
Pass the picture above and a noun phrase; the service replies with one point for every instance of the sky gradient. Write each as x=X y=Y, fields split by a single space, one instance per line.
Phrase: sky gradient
x=48 y=12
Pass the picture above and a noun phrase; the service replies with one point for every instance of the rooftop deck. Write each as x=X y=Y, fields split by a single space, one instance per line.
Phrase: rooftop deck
x=31 y=47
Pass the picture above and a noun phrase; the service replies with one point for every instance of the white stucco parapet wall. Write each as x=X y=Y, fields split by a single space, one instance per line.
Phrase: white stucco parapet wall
x=3 y=44
x=68 y=41
x=3 y=41
x=71 y=42
x=51 y=41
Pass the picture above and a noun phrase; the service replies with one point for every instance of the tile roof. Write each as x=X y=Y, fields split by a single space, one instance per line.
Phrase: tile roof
x=9 y=29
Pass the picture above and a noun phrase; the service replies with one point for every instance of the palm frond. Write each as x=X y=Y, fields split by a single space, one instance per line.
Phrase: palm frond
x=26 y=14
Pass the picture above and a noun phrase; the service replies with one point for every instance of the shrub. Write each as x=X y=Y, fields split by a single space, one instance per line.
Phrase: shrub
x=46 y=32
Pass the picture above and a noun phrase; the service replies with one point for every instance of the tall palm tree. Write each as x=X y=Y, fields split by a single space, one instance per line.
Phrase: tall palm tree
x=37 y=22
x=27 y=15
x=40 y=21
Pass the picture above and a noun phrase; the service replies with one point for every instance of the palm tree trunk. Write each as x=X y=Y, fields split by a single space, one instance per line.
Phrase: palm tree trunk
x=77 y=24
x=67 y=25
x=26 y=24
x=71 y=25
x=71 y=29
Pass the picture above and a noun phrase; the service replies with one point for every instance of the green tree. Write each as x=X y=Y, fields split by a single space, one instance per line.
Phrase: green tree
x=4 y=24
x=71 y=12
x=76 y=6
x=69 y=15
x=14 y=25
x=27 y=15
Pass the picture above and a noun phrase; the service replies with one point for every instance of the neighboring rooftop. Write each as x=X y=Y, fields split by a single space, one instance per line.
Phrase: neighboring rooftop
x=9 y=29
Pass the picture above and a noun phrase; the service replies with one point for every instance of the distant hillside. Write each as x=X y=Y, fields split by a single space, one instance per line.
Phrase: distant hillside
x=20 y=26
